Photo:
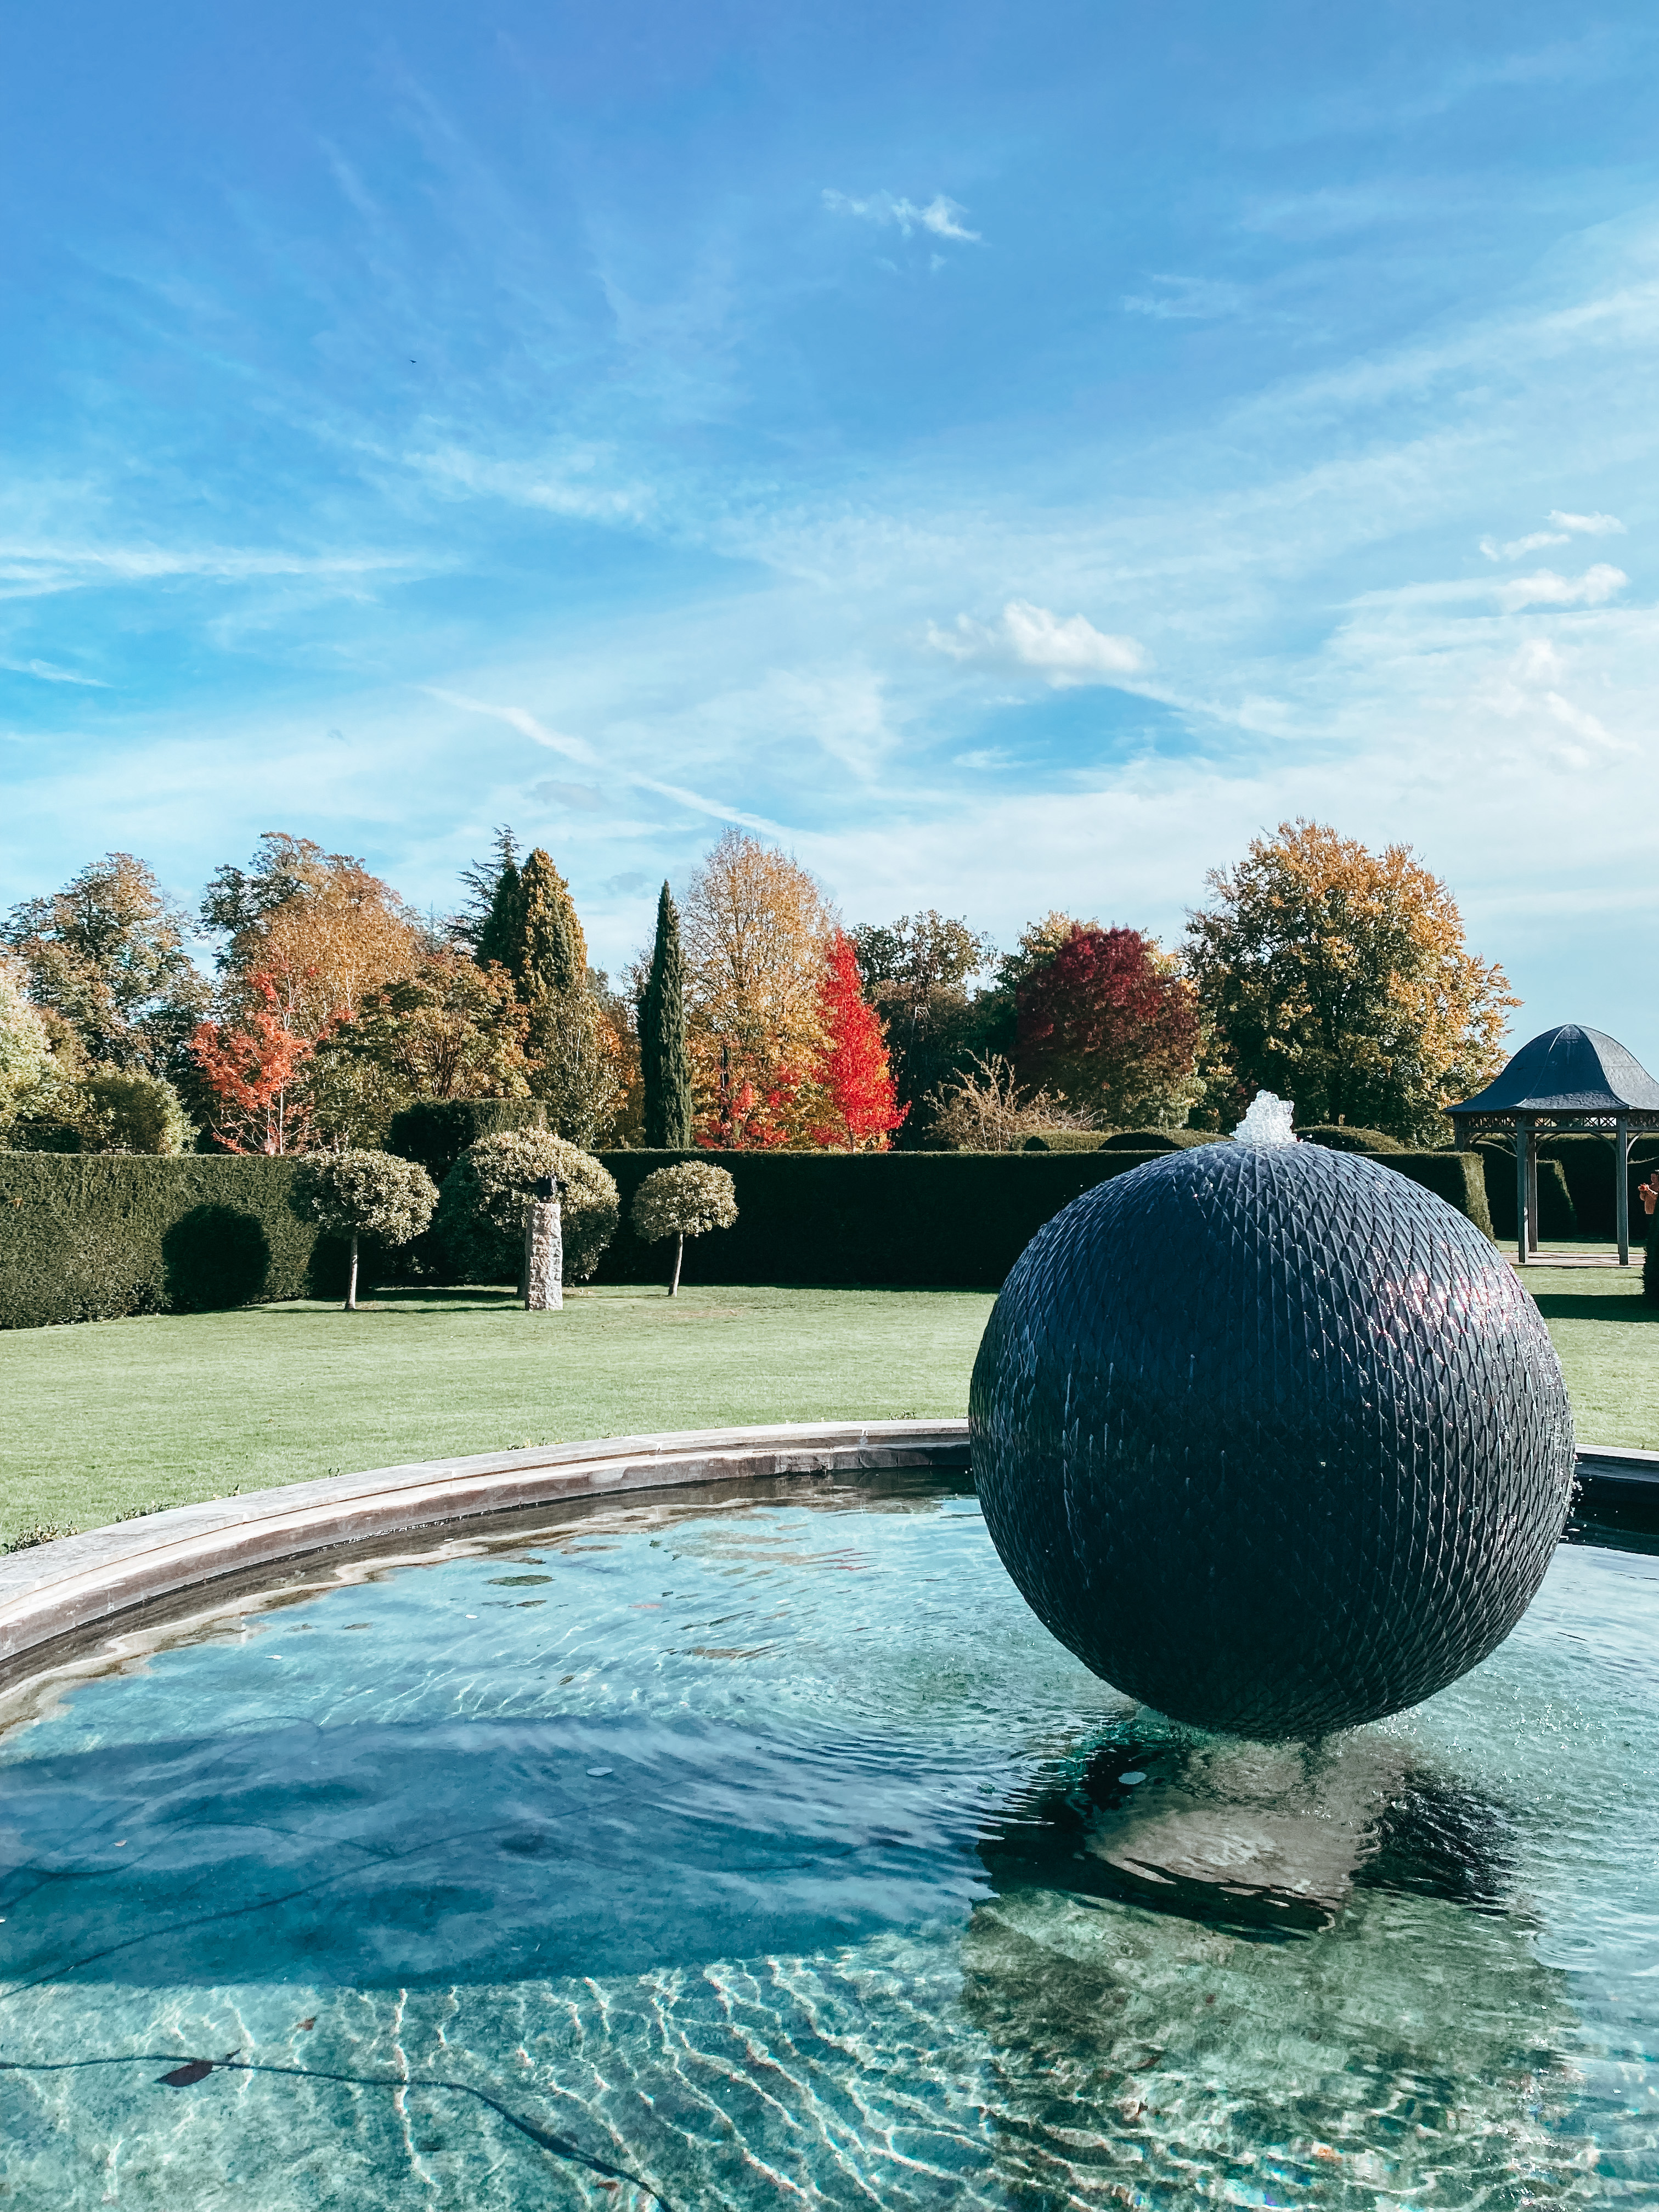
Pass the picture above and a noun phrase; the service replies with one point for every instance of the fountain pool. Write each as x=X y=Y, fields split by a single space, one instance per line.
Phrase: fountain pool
x=757 y=1847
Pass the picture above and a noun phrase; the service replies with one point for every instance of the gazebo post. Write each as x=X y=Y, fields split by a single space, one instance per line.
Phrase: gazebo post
x=1521 y=1189
x=1532 y=1184
x=1621 y=1189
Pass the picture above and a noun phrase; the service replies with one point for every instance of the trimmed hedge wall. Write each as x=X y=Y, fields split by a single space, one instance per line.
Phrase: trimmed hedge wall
x=1557 y=1218
x=437 y=1131
x=87 y=1236
x=928 y=1218
x=84 y=1237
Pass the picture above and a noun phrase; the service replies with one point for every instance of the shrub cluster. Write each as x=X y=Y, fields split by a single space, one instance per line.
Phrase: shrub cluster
x=1338 y=1137
x=479 y=1223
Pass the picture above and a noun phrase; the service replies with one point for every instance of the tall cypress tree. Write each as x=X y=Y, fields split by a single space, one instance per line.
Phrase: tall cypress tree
x=550 y=951
x=665 y=1063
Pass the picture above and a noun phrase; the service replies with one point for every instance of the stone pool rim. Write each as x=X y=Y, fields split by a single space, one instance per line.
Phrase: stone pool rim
x=54 y=1595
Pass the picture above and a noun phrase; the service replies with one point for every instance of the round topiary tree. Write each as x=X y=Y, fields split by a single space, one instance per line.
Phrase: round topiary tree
x=365 y=1194
x=683 y=1201
x=480 y=1219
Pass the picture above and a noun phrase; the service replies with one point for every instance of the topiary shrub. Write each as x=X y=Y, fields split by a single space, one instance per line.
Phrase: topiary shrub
x=683 y=1201
x=480 y=1217
x=1338 y=1137
x=364 y=1194
x=1159 y=1140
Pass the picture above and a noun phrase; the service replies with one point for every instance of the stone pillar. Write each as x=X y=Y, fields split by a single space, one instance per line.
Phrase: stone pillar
x=543 y=1251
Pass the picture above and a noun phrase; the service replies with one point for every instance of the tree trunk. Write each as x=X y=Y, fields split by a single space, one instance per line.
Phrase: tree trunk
x=351 y=1280
x=679 y=1254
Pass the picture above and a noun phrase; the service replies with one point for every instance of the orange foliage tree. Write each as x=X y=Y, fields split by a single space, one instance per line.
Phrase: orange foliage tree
x=250 y=1071
x=859 y=1097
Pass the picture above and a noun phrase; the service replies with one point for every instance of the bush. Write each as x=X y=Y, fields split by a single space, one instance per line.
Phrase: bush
x=1338 y=1137
x=1065 y=1141
x=480 y=1217
x=1650 y=1271
x=90 y=1236
x=1458 y=1177
x=437 y=1131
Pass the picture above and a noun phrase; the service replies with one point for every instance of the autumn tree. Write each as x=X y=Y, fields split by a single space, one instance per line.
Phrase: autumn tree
x=317 y=928
x=917 y=971
x=449 y=1029
x=251 y=1072
x=107 y=955
x=665 y=1060
x=1340 y=978
x=1110 y=1025
x=754 y=926
x=859 y=1101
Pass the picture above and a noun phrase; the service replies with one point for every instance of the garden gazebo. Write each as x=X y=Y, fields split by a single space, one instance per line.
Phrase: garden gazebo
x=1568 y=1078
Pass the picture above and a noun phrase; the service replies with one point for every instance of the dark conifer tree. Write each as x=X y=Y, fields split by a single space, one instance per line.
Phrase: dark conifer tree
x=665 y=1063
x=550 y=951
x=488 y=923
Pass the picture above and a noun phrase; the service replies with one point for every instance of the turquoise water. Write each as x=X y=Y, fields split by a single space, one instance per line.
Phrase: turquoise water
x=759 y=1852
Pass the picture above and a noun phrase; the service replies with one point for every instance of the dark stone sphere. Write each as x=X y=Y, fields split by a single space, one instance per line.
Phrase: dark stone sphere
x=1271 y=1437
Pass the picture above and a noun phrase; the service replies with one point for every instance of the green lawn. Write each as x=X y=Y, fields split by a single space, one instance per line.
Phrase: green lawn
x=117 y=1415
x=113 y=1414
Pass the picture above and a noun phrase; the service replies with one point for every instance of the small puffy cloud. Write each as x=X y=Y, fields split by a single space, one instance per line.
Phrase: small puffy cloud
x=1067 y=649
x=941 y=215
x=1588 y=525
x=582 y=796
x=1185 y=299
x=1545 y=588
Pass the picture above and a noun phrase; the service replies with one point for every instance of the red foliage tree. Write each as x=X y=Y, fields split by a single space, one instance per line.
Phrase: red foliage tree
x=852 y=1067
x=250 y=1071
x=744 y=1118
x=1107 y=1025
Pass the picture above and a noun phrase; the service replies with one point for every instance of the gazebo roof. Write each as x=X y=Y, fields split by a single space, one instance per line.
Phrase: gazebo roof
x=1568 y=1071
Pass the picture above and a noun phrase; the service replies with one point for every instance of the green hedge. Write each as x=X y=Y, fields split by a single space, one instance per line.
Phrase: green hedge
x=935 y=1218
x=1556 y=1217
x=437 y=1131
x=87 y=1236
x=84 y=1237
x=1338 y=1137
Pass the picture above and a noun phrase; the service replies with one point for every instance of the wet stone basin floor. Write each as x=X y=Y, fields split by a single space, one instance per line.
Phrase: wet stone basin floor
x=759 y=1848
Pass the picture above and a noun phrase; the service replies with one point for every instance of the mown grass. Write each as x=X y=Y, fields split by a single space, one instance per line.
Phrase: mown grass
x=103 y=1419
x=113 y=1415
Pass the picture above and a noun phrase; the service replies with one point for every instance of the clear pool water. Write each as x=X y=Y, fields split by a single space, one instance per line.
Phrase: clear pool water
x=754 y=1851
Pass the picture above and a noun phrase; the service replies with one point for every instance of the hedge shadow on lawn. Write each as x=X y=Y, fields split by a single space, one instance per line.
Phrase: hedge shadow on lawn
x=214 y=1257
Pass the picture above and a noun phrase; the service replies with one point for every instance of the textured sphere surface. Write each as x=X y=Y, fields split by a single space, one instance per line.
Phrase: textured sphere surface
x=1271 y=1437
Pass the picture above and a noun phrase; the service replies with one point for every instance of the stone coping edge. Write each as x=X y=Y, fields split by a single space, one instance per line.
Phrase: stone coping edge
x=55 y=1591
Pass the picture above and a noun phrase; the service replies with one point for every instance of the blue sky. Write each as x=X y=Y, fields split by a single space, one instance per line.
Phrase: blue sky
x=1009 y=455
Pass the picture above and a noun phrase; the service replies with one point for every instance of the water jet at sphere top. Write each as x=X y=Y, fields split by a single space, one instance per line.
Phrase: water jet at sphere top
x=1271 y=1437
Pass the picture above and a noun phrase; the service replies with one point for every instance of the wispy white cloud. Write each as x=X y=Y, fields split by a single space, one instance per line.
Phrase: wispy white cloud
x=1588 y=525
x=941 y=215
x=1185 y=299
x=1065 y=649
x=519 y=719
x=49 y=673
x=1545 y=588
x=1562 y=527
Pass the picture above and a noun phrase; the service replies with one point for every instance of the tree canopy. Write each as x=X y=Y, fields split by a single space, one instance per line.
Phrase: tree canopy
x=1110 y=1027
x=664 y=1060
x=1340 y=978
